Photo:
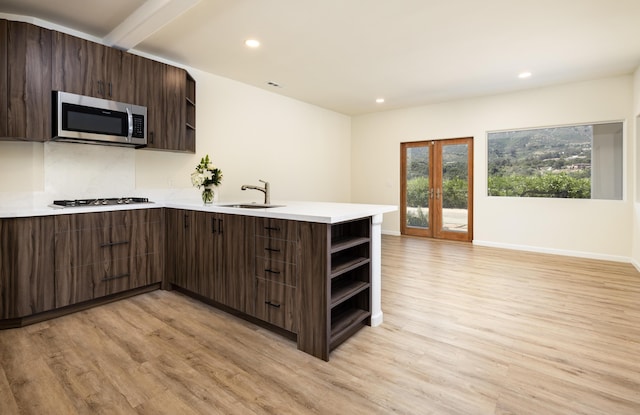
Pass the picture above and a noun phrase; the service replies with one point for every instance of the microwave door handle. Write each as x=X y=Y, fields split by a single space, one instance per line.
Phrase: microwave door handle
x=130 y=124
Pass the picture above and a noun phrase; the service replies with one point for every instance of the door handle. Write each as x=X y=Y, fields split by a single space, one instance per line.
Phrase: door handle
x=129 y=124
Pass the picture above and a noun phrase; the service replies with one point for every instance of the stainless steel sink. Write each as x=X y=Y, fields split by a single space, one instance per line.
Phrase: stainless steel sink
x=251 y=206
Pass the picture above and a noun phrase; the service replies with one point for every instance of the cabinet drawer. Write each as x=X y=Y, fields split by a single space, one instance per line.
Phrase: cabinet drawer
x=278 y=271
x=277 y=249
x=276 y=304
x=277 y=228
x=84 y=239
x=86 y=282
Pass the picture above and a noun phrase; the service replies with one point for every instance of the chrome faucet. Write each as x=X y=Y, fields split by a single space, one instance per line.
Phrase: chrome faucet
x=265 y=190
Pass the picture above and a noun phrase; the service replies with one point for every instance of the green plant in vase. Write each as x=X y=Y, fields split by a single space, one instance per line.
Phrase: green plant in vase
x=205 y=177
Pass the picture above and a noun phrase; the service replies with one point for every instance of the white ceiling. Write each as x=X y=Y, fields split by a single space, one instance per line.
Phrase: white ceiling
x=343 y=54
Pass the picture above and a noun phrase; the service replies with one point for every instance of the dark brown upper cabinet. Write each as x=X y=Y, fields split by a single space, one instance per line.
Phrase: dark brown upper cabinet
x=87 y=68
x=162 y=89
x=3 y=78
x=35 y=61
x=25 y=81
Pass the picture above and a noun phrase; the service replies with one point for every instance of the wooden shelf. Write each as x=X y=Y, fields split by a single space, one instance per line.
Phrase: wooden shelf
x=347 y=323
x=190 y=126
x=189 y=101
x=346 y=264
x=345 y=291
x=347 y=242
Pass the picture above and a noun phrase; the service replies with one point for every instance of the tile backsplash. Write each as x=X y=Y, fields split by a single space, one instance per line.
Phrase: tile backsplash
x=75 y=171
x=33 y=175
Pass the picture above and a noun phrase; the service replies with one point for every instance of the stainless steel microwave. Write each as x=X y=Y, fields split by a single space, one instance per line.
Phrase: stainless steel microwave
x=83 y=119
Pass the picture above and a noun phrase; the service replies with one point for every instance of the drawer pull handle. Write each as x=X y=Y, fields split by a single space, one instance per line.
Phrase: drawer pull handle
x=113 y=244
x=272 y=249
x=268 y=302
x=271 y=271
x=271 y=228
x=116 y=277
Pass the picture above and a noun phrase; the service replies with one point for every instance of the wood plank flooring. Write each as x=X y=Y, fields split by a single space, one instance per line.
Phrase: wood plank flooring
x=467 y=330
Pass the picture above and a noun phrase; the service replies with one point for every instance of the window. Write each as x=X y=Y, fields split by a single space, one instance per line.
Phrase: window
x=578 y=161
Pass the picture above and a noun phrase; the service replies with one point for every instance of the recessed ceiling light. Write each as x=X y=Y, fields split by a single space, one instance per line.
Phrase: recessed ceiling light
x=380 y=100
x=524 y=75
x=252 y=43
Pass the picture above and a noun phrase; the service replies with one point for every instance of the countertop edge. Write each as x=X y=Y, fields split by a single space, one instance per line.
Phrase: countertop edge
x=319 y=212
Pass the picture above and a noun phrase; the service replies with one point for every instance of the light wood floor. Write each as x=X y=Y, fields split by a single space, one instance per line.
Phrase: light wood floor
x=468 y=330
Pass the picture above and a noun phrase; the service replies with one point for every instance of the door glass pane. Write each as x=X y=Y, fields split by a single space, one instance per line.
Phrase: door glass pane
x=455 y=187
x=417 y=187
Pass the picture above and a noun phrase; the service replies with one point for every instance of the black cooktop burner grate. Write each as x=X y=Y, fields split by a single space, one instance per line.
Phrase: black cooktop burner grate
x=111 y=201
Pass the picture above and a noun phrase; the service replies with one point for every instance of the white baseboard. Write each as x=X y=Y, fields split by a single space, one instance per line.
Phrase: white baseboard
x=376 y=319
x=392 y=233
x=579 y=254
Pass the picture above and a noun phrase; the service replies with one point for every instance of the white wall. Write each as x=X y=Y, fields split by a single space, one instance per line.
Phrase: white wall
x=595 y=228
x=635 y=134
x=251 y=134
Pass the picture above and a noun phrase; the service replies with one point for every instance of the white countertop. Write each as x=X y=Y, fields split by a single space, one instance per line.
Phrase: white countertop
x=321 y=212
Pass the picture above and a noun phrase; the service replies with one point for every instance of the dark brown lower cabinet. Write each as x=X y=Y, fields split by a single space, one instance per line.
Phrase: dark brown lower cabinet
x=97 y=254
x=26 y=266
x=207 y=254
x=311 y=279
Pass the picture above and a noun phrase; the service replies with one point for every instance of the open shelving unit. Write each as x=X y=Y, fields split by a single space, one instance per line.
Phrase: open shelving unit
x=349 y=279
x=190 y=120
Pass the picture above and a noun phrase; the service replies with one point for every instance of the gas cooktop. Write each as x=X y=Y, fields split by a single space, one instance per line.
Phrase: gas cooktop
x=111 y=201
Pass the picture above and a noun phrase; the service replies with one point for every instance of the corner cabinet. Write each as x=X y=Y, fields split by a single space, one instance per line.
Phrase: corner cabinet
x=26 y=263
x=166 y=90
x=209 y=255
x=99 y=254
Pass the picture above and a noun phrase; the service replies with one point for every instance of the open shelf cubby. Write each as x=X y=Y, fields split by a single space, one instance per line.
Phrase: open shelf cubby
x=349 y=279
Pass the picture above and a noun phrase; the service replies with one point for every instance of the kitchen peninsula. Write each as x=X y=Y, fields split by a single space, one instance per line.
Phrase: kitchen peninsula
x=308 y=270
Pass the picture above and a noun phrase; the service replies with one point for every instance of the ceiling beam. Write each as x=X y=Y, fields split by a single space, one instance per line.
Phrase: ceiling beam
x=145 y=21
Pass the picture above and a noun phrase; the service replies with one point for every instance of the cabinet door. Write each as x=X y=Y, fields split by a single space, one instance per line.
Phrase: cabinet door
x=235 y=267
x=189 y=250
x=175 y=251
x=88 y=68
x=118 y=74
x=174 y=110
x=26 y=266
x=77 y=65
x=28 y=82
x=147 y=259
x=80 y=250
x=200 y=253
x=149 y=92
x=3 y=78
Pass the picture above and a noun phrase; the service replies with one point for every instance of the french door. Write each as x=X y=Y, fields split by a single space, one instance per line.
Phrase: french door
x=437 y=189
